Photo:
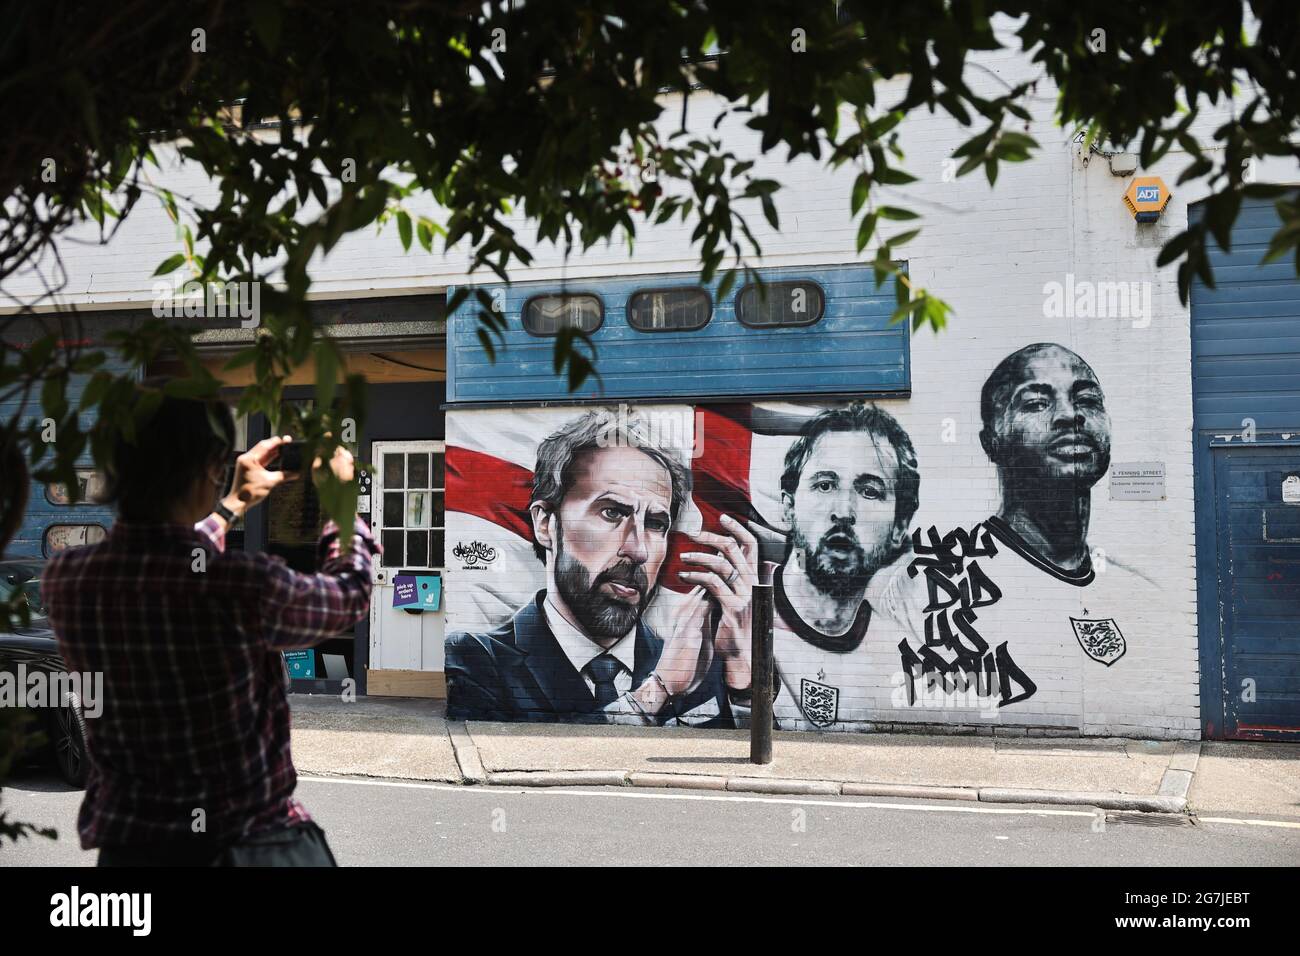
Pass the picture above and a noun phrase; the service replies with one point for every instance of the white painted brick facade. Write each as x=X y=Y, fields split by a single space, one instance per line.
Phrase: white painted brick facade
x=987 y=251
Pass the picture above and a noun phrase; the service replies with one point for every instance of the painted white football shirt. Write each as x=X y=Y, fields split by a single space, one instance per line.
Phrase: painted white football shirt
x=828 y=682
x=993 y=630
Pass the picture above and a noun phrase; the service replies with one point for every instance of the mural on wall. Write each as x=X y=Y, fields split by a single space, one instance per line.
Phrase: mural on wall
x=1046 y=430
x=615 y=550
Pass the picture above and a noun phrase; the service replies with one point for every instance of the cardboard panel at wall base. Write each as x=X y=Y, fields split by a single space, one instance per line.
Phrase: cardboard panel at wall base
x=598 y=550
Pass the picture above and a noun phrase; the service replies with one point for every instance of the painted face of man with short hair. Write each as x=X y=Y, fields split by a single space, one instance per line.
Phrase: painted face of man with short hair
x=609 y=538
x=1051 y=425
x=842 y=514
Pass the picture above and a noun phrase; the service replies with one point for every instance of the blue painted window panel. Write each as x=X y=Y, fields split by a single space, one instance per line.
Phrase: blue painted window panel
x=1246 y=332
x=853 y=349
x=41 y=514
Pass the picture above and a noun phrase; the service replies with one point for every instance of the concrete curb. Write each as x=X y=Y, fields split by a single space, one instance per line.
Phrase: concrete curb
x=919 y=791
x=467 y=759
x=558 y=778
x=1171 y=797
x=820 y=788
x=1080 y=798
x=688 y=781
x=1161 y=803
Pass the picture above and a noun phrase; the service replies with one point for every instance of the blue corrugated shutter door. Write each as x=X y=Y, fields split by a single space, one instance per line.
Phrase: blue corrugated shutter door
x=1246 y=394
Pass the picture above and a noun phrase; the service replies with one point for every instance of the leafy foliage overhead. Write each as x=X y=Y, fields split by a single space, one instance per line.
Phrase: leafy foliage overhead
x=318 y=118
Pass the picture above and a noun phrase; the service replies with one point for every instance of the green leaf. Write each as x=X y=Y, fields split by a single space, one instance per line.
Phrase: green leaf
x=327 y=372
x=896 y=212
x=1174 y=248
x=894 y=177
x=865 y=229
x=861 y=190
x=404 y=229
x=727 y=284
x=193 y=387
x=240 y=359
x=170 y=264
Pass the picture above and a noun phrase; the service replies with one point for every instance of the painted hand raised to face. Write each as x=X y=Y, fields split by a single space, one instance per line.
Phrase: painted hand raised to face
x=728 y=577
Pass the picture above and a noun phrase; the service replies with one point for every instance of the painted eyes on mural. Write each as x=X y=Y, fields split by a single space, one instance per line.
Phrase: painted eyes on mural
x=1040 y=403
x=615 y=513
x=658 y=523
x=868 y=490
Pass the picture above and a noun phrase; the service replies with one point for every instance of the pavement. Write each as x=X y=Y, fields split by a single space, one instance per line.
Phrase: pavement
x=410 y=739
x=373 y=822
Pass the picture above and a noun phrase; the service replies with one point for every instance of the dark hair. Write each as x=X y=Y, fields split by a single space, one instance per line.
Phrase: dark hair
x=605 y=428
x=1008 y=372
x=860 y=417
x=173 y=447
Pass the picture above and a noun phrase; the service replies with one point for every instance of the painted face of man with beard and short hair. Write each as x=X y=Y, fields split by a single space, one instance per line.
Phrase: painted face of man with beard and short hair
x=1045 y=421
x=609 y=537
x=842 y=515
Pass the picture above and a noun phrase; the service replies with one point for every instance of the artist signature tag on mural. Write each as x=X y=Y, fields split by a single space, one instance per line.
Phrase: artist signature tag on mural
x=1138 y=481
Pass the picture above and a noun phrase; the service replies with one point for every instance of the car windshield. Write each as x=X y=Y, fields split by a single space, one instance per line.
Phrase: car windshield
x=25 y=580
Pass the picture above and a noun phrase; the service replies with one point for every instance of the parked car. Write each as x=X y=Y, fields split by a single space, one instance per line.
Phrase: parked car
x=35 y=647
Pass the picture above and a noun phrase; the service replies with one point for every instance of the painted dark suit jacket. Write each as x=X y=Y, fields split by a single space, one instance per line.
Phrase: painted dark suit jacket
x=519 y=672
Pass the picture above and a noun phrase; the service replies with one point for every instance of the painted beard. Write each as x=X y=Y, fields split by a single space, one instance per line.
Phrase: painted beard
x=600 y=615
x=1071 y=455
x=840 y=567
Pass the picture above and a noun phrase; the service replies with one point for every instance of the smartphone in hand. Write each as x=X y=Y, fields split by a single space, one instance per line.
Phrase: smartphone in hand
x=291 y=457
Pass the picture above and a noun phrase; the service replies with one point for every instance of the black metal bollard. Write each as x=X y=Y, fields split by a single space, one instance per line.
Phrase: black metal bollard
x=762 y=669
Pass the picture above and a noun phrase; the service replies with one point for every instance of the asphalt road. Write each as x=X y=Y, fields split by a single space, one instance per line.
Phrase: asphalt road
x=389 y=823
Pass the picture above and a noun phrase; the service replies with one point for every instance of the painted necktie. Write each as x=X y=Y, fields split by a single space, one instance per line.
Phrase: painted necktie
x=602 y=670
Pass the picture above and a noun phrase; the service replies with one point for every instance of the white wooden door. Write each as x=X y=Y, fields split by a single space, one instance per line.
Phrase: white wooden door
x=407 y=515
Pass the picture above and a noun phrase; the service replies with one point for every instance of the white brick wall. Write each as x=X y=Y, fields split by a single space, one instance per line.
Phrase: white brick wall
x=989 y=252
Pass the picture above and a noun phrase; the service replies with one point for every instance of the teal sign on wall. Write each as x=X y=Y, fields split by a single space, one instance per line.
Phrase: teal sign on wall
x=301 y=664
x=417 y=592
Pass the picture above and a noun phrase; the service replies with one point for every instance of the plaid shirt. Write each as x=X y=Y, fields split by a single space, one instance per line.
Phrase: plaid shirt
x=195 y=713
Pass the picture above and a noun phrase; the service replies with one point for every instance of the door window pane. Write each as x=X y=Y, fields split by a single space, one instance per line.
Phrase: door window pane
x=393 y=471
x=393 y=551
x=436 y=557
x=394 y=509
x=417 y=471
x=417 y=509
x=417 y=549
